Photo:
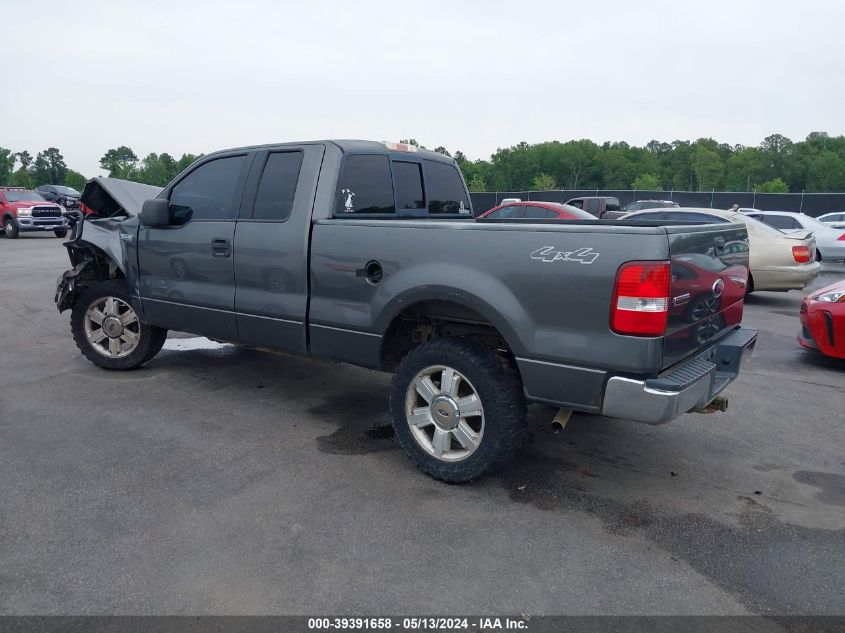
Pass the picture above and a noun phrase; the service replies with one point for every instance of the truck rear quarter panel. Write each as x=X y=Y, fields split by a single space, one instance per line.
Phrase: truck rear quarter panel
x=545 y=288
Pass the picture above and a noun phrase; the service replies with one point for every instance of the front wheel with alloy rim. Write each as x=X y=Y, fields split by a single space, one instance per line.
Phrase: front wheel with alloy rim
x=10 y=229
x=458 y=408
x=107 y=330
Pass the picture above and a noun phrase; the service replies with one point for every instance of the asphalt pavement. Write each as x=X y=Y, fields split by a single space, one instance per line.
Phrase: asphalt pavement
x=224 y=480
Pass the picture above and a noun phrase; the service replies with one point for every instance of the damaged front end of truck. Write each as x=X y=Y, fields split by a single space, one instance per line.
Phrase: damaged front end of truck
x=102 y=243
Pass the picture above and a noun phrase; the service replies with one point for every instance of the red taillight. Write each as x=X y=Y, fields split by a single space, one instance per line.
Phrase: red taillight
x=841 y=238
x=801 y=254
x=641 y=299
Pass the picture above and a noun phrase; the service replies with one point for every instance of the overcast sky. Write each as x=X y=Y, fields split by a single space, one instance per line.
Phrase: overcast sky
x=198 y=76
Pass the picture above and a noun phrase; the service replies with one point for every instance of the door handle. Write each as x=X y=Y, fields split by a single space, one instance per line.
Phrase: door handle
x=221 y=247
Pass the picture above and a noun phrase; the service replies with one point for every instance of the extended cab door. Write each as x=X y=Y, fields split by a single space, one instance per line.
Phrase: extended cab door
x=187 y=275
x=271 y=246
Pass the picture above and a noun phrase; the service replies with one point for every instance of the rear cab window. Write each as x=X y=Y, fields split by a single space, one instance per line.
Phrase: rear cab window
x=407 y=179
x=365 y=186
x=382 y=185
x=446 y=192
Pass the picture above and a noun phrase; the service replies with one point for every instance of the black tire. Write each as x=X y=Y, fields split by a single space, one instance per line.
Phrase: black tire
x=11 y=229
x=60 y=233
x=750 y=287
x=150 y=338
x=497 y=385
x=818 y=254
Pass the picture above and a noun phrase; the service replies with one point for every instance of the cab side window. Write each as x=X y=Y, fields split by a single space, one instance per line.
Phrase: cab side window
x=274 y=200
x=208 y=192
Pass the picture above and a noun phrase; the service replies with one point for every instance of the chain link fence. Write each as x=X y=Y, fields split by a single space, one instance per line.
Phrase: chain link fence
x=813 y=204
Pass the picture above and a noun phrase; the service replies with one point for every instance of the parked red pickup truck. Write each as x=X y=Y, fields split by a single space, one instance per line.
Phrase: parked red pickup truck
x=25 y=210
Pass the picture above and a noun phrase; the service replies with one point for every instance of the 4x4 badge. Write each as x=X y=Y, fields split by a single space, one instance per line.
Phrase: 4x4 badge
x=548 y=254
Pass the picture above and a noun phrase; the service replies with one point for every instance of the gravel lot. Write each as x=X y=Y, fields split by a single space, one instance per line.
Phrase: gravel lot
x=233 y=481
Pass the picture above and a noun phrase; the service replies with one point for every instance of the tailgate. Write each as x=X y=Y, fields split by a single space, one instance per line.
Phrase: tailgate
x=709 y=267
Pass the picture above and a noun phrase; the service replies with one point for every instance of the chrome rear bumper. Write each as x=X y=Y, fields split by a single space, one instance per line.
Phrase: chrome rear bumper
x=692 y=384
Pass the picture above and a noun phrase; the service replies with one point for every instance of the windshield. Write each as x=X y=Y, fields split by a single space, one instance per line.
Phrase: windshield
x=68 y=191
x=16 y=195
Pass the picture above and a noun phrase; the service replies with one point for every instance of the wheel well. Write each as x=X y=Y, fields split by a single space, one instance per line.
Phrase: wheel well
x=427 y=320
x=93 y=264
x=90 y=265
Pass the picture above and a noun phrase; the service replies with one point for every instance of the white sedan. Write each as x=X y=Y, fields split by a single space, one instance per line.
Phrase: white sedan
x=830 y=241
x=836 y=220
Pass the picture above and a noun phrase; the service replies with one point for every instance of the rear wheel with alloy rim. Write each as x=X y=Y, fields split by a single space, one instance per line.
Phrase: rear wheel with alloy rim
x=107 y=330
x=458 y=408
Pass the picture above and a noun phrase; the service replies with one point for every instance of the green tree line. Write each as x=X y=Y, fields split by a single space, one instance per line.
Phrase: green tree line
x=20 y=169
x=777 y=164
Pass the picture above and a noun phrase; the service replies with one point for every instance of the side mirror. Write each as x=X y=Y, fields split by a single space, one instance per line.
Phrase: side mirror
x=155 y=213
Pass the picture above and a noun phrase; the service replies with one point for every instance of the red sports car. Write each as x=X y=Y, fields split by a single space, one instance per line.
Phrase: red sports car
x=823 y=320
x=536 y=211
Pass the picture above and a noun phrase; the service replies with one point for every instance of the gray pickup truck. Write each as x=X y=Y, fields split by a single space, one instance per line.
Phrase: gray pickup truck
x=368 y=253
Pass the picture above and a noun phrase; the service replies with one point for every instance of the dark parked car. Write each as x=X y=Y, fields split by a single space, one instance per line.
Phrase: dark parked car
x=642 y=205
x=68 y=197
x=368 y=253
x=535 y=211
x=604 y=207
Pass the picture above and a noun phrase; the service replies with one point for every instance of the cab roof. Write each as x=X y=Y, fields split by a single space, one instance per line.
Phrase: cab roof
x=353 y=145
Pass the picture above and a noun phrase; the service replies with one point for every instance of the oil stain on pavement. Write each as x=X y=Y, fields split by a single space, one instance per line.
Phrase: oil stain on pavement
x=364 y=424
x=831 y=485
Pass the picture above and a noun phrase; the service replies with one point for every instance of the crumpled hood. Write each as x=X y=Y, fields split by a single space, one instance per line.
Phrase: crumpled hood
x=110 y=196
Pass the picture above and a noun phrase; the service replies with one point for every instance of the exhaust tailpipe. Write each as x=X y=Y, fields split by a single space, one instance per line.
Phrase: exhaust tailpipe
x=561 y=418
x=718 y=404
